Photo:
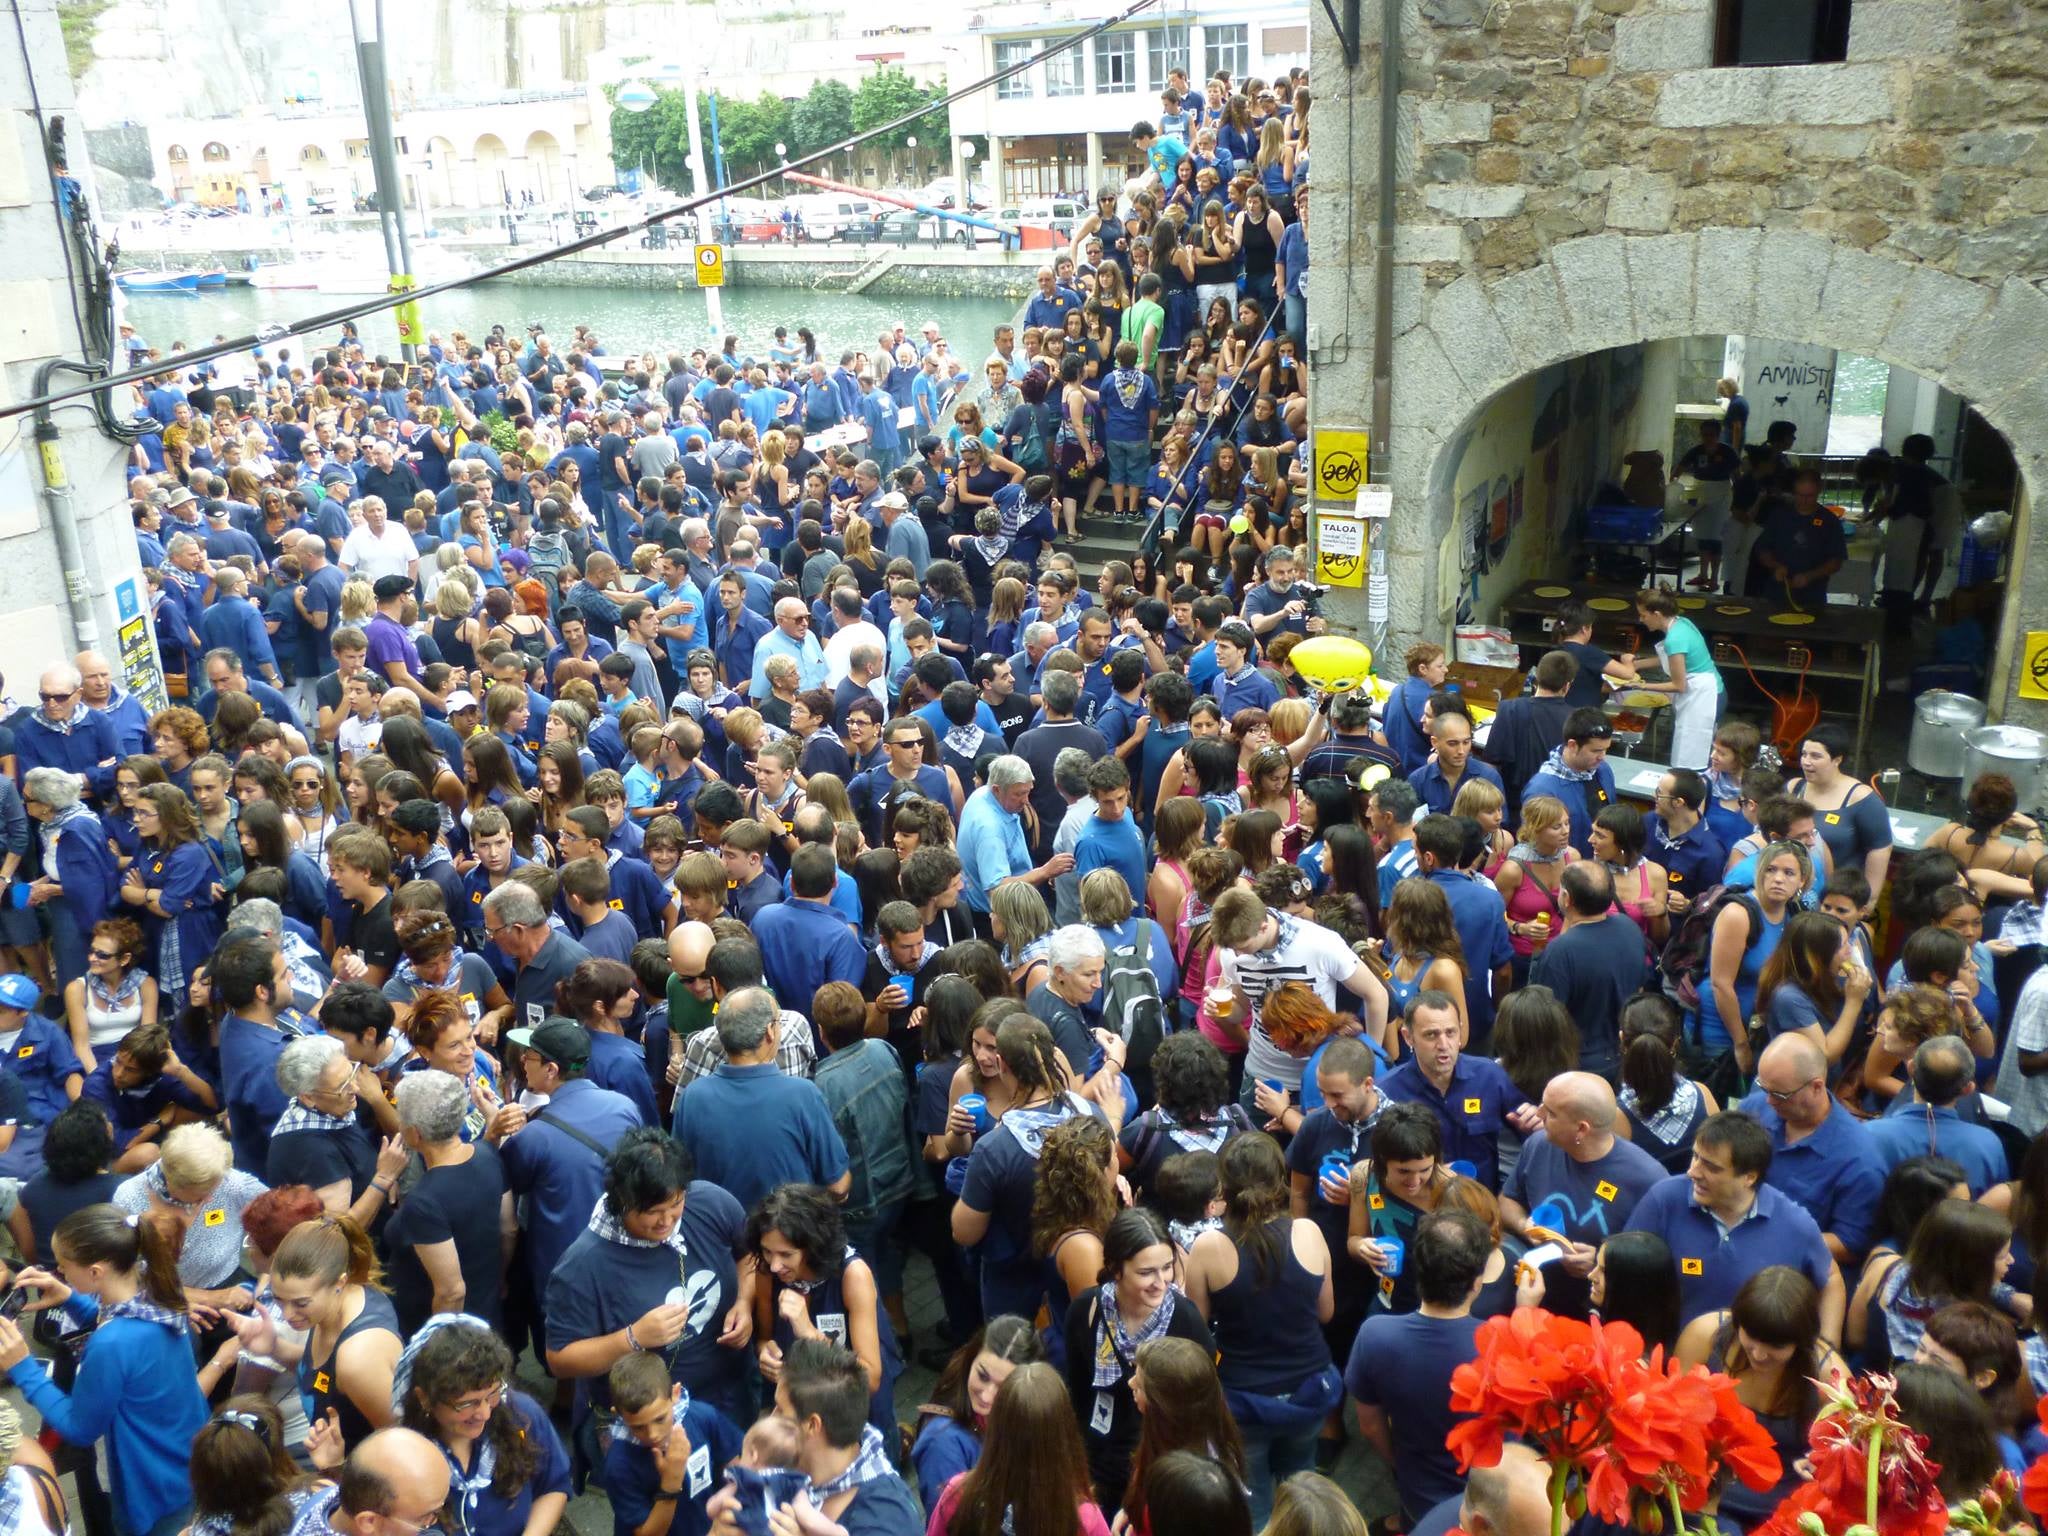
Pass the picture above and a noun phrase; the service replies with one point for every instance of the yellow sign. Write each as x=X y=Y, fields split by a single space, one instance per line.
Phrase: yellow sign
x=407 y=314
x=2034 y=665
x=710 y=266
x=1340 y=551
x=1340 y=466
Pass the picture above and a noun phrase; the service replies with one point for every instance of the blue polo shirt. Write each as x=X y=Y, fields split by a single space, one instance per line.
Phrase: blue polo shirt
x=559 y=1178
x=1836 y=1174
x=130 y=1109
x=1904 y=1131
x=41 y=1059
x=249 y=1091
x=1587 y=1202
x=1713 y=1260
x=1482 y=921
x=1583 y=799
x=1472 y=1109
x=1438 y=792
x=805 y=944
x=1692 y=861
x=752 y=1129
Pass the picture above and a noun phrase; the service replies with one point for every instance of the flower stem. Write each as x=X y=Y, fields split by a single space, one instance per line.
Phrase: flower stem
x=1870 y=1474
x=1677 y=1508
x=1557 y=1481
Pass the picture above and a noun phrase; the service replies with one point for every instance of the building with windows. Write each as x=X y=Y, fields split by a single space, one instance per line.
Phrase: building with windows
x=1064 y=124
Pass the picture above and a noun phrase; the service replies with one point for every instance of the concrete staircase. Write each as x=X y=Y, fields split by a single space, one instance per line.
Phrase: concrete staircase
x=1103 y=539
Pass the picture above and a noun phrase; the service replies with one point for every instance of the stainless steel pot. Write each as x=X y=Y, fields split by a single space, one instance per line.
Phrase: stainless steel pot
x=2012 y=750
x=1939 y=720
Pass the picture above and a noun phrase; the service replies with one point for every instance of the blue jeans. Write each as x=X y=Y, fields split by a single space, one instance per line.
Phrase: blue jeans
x=1271 y=1456
x=1297 y=317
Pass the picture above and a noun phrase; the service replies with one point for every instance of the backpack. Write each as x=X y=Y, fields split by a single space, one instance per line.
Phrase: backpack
x=1132 y=1008
x=1031 y=453
x=1684 y=960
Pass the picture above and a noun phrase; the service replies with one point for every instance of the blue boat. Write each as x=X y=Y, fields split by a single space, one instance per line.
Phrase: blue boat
x=214 y=279
x=158 y=282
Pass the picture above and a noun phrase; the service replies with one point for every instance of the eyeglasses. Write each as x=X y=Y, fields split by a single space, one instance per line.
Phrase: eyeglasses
x=1786 y=1096
x=106 y=954
x=58 y=698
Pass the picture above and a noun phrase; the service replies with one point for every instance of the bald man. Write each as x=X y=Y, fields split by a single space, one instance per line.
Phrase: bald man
x=97 y=692
x=1576 y=1179
x=396 y=1479
x=1511 y=1498
x=1821 y=1155
x=689 y=988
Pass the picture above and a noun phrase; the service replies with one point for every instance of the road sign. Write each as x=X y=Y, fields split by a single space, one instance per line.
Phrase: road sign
x=1340 y=463
x=710 y=266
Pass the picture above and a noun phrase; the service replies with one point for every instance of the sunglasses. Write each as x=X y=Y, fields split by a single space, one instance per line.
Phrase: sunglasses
x=106 y=954
x=58 y=698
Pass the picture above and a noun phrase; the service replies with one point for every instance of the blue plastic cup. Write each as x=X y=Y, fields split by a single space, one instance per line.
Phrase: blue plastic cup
x=1276 y=1085
x=1396 y=1251
x=976 y=1104
x=907 y=983
x=1336 y=1165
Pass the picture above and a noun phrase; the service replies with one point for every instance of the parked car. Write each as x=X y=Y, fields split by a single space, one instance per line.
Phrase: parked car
x=598 y=194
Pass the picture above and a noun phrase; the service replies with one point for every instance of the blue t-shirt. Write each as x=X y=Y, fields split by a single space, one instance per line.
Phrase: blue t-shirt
x=752 y=1129
x=632 y=1482
x=1472 y=1109
x=1402 y=1365
x=1587 y=1202
x=484 y=1512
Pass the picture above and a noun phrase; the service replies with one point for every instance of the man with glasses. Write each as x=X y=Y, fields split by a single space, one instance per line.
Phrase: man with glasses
x=791 y=637
x=517 y=923
x=1676 y=836
x=395 y=1483
x=904 y=772
x=62 y=733
x=1821 y=1156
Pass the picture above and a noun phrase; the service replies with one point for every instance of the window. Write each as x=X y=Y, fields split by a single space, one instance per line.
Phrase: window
x=215 y=153
x=1166 y=49
x=1751 y=32
x=176 y=154
x=1116 y=63
x=1064 y=75
x=1008 y=56
x=1226 y=50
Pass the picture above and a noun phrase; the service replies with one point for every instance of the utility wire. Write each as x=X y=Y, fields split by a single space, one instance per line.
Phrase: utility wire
x=278 y=331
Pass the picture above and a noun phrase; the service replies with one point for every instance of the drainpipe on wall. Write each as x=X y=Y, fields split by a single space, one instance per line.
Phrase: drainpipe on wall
x=57 y=496
x=1383 y=244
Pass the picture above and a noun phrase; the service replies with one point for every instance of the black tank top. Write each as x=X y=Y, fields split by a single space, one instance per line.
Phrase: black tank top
x=1259 y=248
x=456 y=651
x=319 y=1386
x=1267 y=1332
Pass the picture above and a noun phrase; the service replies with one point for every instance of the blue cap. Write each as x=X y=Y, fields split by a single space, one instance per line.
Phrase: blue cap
x=18 y=991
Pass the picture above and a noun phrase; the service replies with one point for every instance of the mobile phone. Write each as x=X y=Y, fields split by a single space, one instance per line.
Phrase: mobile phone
x=15 y=1301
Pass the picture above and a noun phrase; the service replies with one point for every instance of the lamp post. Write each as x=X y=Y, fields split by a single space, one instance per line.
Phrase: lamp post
x=376 y=91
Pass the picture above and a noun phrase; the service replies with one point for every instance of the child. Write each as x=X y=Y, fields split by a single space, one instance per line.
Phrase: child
x=770 y=1444
x=744 y=852
x=642 y=781
x=607 y=791
x=587 y=894
x=1188 y=1192
x=665 y=1450
x=1172 y=120
x=662 y=847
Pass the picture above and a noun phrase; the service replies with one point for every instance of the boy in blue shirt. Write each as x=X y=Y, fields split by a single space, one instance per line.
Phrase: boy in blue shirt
x=667 y=1450
x=1130 y=411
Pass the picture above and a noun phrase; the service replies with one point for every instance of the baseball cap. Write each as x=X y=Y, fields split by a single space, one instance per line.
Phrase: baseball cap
x=378 y=413
x=460 y=700
x=334 y=472
x=217 y=510
x=18 y=991
x=389 y=587
x=562 y=1041
x=895 y=499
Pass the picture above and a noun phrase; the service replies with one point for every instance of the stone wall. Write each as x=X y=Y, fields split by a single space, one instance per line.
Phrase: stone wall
x=1574 y=175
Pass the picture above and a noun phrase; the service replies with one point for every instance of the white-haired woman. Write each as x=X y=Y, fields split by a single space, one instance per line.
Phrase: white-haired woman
x=449 y=1240
x=196 y=1182
x=320 y=1141
x=78 y=867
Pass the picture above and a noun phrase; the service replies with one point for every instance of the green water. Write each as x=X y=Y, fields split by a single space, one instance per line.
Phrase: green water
x=626 y=320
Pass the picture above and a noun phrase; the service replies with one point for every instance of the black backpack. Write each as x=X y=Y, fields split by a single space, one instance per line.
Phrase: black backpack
x=1684 y=960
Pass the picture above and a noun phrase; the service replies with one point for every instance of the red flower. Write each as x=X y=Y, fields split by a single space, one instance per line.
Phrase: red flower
x=2034 y=1488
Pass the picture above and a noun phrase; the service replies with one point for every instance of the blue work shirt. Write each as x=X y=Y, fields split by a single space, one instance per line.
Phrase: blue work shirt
x=1835 y=1173
x=1692 y=861
x=803 y=945
x=1906 y=1130
x=558 y=1176
x=1482 y=922
x=752 y=1129
x=1583 y=799
x=1472 y=1109
x=41 y=1060
x=991 y=846
x=249 y=1091
x=1713 y=1260
x=1438 y=793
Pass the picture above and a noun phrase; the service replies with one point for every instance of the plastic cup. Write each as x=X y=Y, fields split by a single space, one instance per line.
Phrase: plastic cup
x=1396 y=1251
x=1276 y=1085
x=1335 y=1165
x=1221 y=1001
x=976 y=1104
x=907 y=983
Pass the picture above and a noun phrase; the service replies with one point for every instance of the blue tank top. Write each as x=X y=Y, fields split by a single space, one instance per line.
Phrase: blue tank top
x=829 y=1315
x=319 y=1384
x=1267 y=1332
x=1713 y=1029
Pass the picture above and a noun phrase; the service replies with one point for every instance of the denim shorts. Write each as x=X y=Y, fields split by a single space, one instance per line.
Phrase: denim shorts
x=1129 y=463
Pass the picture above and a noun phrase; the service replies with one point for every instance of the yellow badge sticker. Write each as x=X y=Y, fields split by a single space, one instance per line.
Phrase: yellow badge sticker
x=216 y=1218
x=322 y=1382
x=1472 y=1106
x=25 y=1052
x=1691 y=1267
x=1833 y=818
x=1605 y=1190
x=1376 y=1202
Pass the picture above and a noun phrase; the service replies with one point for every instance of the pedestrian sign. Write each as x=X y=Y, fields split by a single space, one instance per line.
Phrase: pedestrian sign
x=710 y=266
x=1340 y=463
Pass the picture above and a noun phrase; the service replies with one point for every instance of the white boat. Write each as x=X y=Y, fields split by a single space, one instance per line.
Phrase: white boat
x=351 y=279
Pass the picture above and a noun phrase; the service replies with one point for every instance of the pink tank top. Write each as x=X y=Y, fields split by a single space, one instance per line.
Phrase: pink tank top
x=1529 y=899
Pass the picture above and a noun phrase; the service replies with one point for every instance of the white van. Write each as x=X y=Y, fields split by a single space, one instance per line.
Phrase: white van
x=1059 y=214
x=826 y=214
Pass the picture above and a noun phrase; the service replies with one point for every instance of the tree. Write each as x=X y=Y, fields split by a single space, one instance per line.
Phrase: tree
x=883 y=97
x=748 y=132
x=823 y=117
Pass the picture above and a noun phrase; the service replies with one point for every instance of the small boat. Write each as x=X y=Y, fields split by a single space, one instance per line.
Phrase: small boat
x=291 y=276
x=158 y=282
x=239 y=279
x=217 y=278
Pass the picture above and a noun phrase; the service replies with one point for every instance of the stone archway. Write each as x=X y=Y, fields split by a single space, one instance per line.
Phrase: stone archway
x=1460 y=345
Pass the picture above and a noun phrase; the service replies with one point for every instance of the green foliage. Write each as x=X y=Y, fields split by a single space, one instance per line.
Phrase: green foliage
x=823 y=117
x=750 y=130
x=78 y=20
x=503 y=435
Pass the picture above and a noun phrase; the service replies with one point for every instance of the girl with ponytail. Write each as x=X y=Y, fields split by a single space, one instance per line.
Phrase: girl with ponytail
x=136 y=1387
x=324 y=1278
x=244 y=1482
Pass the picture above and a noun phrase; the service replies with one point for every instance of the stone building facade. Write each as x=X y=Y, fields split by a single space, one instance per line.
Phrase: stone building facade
x=1575 y=176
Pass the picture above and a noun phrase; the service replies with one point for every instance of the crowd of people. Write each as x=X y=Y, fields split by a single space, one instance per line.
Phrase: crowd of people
x=611 y=896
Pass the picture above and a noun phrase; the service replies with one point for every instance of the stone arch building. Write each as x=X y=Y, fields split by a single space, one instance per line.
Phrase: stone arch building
x=1575 y=176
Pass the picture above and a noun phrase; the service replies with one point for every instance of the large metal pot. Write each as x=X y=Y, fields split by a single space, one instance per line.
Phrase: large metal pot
x=1939 y=720
x=2012 y=750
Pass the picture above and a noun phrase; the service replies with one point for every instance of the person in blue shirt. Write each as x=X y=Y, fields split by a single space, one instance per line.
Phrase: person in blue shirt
x=750 y=1128
x=879 y=413
x=1050 y=305
x=1437 y=782
x=1480 y=916
x=1677 y=836
x=1723 y=1222
x=805 y=942
x=1401 y=717
x=668 y=1451
x=1110 y=838
x=1471 y=1096
x=1943 y=1070
x=135 y=1390
x=1273 y=607
x=1576 y=773
x=1129 y=404
x=1238 y=684
x=507 y=1470
x=1163 y=152
x=1821 y=1155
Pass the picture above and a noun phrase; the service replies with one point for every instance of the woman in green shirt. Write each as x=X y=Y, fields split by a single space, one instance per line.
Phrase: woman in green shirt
x=1695 y=683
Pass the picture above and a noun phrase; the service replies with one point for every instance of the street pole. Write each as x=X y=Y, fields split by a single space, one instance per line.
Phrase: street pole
x=376 y=91
x=699 y=182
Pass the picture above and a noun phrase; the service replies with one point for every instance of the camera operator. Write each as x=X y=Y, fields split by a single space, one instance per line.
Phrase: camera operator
x=1283 y=603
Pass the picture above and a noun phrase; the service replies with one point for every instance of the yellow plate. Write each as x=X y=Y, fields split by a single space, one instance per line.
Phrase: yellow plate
x=1692 y=604
x=1792 y=619
x=1608 y=605
x=1732 y=610
x=1553 y=592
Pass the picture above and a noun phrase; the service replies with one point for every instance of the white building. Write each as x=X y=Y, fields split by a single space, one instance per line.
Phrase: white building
x=1065 y=123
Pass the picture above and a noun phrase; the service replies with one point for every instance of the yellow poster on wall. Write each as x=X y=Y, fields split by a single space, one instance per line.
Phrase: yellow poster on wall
x=1340 y=551
x=1340 y=463
x=2034 y=665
